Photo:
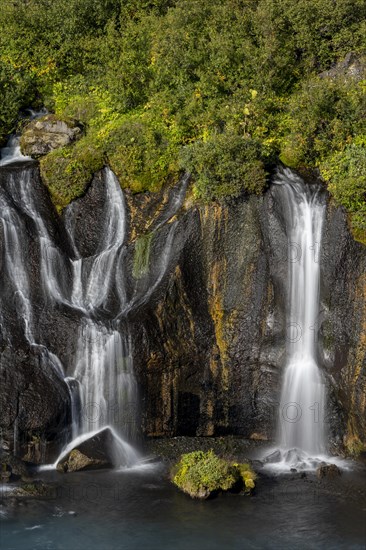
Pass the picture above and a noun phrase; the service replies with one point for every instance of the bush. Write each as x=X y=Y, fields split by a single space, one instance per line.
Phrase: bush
x=201 y=475
x=224 y=165
x=140 y=155
x=346 y=173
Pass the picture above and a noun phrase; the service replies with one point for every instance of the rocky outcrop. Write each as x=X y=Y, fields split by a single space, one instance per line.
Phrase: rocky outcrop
x=342 y=326
x=47 y=133
x=206 y=297
x=352 y=66
x=209 y=352
x=204 y=475
x=205 y=355
x=34 y=401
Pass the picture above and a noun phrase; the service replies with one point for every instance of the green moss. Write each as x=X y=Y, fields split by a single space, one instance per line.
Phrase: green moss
x=35 y=489
x=68 y=171
x=247 y=475
x=345 y=173
x=355 y=447
x=141 y=154
x=141 y=257
x=201 y=474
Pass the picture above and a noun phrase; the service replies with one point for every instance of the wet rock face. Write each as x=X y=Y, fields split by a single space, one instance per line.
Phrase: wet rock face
x=206 y=309
x=33 y=399
x=48 y=133
x=205 y=354
x=84 y=218
x=210 y=354
x=342 y=327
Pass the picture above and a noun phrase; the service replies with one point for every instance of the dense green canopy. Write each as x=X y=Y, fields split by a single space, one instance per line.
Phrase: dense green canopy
x=223 y=89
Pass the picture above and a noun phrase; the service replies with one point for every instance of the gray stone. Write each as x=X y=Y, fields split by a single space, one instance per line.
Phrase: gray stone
x=352 y=66
x=47 y=134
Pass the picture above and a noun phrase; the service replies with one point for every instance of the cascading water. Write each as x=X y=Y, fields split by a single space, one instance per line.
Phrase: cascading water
x=303 y=398
x=102 y=386
x=12 y=153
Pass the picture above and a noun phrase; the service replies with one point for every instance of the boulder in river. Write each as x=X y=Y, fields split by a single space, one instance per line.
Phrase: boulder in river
x=91 y=454
x=328 y=471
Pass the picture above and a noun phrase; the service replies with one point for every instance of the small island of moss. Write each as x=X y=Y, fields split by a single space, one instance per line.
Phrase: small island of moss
x=203 y=474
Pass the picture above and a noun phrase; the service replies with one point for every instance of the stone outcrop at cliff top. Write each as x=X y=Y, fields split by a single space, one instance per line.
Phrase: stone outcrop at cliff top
x=45 y=134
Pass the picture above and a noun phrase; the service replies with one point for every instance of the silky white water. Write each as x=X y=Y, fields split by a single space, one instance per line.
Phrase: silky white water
x=301 y=432
x=11 y=153
x=101 y=381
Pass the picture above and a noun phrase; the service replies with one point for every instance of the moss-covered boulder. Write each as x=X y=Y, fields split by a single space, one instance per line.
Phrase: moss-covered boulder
x=202 y=475
x=48 y=133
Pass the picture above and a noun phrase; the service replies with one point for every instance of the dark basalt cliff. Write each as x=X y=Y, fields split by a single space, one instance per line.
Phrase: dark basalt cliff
x=208 y=323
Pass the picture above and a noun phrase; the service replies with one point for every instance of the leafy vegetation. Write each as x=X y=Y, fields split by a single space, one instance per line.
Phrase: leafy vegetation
x=223 y=89
x=202 y=474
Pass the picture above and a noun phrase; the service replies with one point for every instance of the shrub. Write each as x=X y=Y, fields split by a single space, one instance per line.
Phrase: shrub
x=346 y=173
x=224 y=165
x=220 y=88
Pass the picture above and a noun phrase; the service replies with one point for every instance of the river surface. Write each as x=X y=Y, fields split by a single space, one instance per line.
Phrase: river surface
x=142 y=510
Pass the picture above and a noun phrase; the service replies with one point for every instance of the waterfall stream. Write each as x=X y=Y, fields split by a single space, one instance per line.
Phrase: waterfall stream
x=301 y=433
x=102 y=385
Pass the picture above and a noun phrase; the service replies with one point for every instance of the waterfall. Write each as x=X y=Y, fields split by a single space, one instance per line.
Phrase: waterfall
x=108 y=389
x=101 y=381
x=13 y=231
x=301 y=433
x=92 y=276
x=11 y=152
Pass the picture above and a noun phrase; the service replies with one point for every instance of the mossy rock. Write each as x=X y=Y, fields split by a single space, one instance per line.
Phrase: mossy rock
x=67 y=172
x=202 y=475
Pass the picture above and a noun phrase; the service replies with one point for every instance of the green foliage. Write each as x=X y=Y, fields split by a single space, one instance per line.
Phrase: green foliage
x=222 y=89
x=223 y=165
x=247 y=475
x=17 y=90
x=140 y=155
x=346 y=172
x=200 y=474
